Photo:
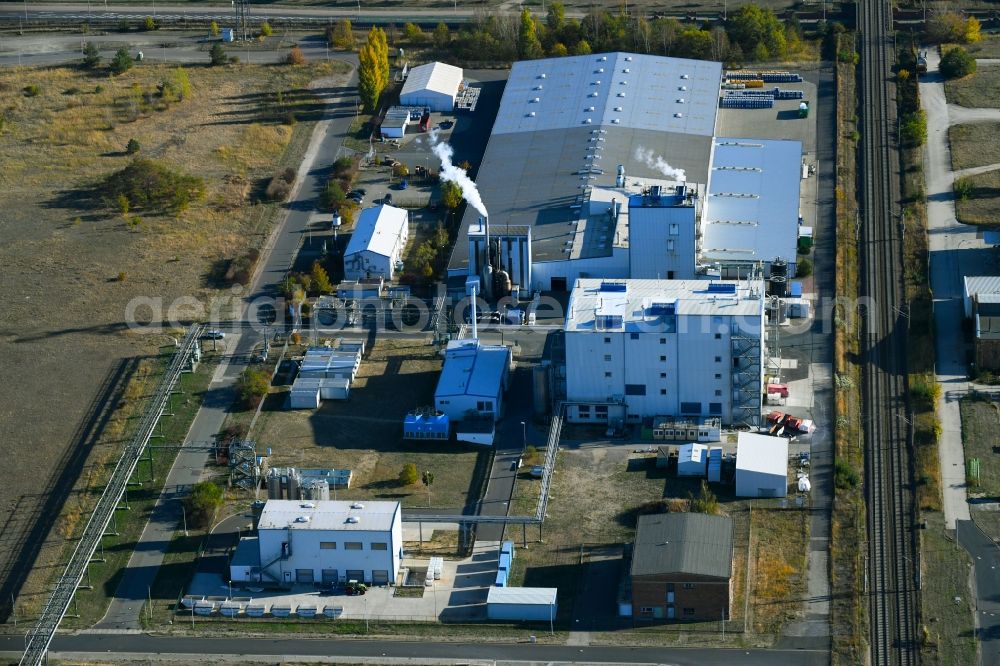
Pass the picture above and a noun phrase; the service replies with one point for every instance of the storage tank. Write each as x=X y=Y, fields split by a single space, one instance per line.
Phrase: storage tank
x=540 y=388
x=293 y=485
x=779 y=285
x=779 y=267
x=274 y=485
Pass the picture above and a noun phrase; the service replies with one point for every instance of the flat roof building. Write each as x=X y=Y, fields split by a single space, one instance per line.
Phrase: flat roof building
x=680 y=348
x=761 y=465
x=434 y=85
x=751 y=211
x=327 y=542
x=473 y=381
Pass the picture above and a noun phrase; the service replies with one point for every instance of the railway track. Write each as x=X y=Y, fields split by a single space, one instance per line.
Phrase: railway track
x=892 y=552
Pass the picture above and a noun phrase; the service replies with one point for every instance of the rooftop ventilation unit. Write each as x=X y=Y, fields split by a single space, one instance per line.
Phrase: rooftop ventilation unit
x=615 y=121
x=626 y=70
x=307 y=505
x=621 y=94
x=593 y=94
x=530 y=114
x=678 y=115
x=685 y=76
x=536 y=100
x=357 y=505
x=599 y=70
x=603 y=58
x=618 y=108
x=722 y=287
x=680 y=100
x=587 y=121
x=539 y=86
x=353 y=520
x=628 y=58
x=590 y=108
x=596 y=82
x=682 y=88
x=623 y=82
x=302 y=519
x=542 y=75
x=614 y=287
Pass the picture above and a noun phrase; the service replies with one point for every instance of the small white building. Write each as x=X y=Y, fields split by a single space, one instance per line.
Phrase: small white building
x=529 y=604
x=761 y=465
x=434 y=85
x=325 y=542
x=395 y=122
x=692 y=460
x=473 y=380
x=377 y=243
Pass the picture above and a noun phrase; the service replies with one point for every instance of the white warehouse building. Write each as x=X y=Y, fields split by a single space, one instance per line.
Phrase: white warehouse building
x=323 y=542
x=761 y=465
x=682 y=348
x=377 y=244
x=434 y=85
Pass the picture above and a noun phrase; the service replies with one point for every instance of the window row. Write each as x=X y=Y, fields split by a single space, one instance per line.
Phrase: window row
x=353 y=545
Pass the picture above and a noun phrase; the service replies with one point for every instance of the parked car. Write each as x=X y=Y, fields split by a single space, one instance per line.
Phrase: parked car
x=536 y=471
x=387 y=199
x=214 y=334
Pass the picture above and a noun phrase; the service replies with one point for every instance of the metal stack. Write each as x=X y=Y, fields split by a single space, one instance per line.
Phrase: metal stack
x=743 y=100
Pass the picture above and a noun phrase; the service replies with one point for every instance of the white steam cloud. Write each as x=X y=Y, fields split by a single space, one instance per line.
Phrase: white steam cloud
x=654 y=161
x=456 y=175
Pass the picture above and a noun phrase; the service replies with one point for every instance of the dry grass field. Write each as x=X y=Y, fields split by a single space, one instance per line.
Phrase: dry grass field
x=71 y=265
x=980 y=90
x=364 y=433
x=974 y=145
x=982 y=202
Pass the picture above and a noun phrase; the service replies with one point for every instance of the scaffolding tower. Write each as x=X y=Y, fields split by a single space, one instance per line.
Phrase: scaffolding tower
x=242 y=8
x=244 y=470
x=747 y=389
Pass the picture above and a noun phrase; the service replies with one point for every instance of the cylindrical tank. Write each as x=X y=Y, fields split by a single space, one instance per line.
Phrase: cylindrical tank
x=321 y=490
x=293 y=485
x=540 y=389
x=779 y=267
x=274 y=486
x=779 y=286
x=502 y=284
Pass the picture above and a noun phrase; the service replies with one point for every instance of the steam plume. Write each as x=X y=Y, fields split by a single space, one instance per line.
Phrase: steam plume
x=455 y=174
x=656 y=162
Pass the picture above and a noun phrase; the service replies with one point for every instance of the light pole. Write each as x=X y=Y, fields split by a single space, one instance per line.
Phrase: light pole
x=524 y=436
x=185 y=517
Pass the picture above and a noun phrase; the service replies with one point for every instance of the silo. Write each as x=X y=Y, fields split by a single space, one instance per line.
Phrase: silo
x=320 y=490
x=779 y=268
x=779 y=284
x=540 y=388
x=293 y=484
x=274 y=485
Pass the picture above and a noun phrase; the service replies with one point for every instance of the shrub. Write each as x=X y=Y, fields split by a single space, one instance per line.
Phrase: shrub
x=320 y=279
x=32 y=90
x=91 y=56
x=957 y=63
x=132 y=147
x=963 y=188
x=408 y=475
x=845 y=476
x=148 y=24
x=296 y=57
x=202 y=504
x=278 y=189
x=341 y=35
x=214 y=29
x=265 y=29
x=914 y=128
x=289 y=119
x=803 y=268
x=217 y=55
x=332 y=195
x=122 y=62
x=705 y=502
x=149 y=185
x=122 y=276
x=253 y=385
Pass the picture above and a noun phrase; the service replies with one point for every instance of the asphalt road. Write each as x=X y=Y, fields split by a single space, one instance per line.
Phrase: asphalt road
x=289 y=649
x=986 y=560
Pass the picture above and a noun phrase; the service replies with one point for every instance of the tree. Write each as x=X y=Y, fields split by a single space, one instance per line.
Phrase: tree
x=694 y=43
x=408 y=475
x=341 y=35
x=122 y=62
x=91 y=56
x=149 y=24
x=555 y=19
x=132 y=147
x=177 y=87
x=150 y=185
x=973 y=31
x=957 y=63
x=582 y=47
x=528 y=46
x=558 y=50
x=427 y=478
x=914 y=128
x=217 y=55
x=320 y=278
x=253 y=385
x=202 y=504
x=946 y=26
x=369 y=78
x=705 y=502
x=442 y=36
x=214 y=29
x=413 y=34
x=265 y=29
x=451 y=195
x=752 y=26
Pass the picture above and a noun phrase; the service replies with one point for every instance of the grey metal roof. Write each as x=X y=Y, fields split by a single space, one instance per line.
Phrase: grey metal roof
x=434 y=76
x=530 y=174
x=685 y=543
x=626 y=89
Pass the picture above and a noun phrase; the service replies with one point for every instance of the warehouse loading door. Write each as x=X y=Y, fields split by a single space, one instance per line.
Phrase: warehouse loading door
x=380 y=577
x=303 y=575
x=356 y=574
x=330 y=576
